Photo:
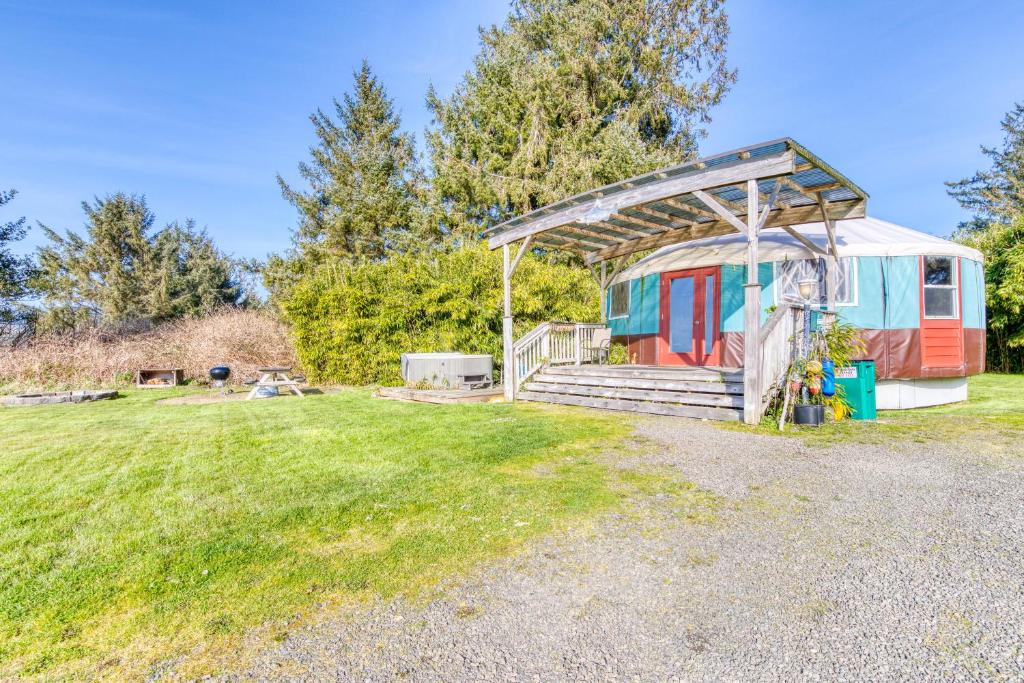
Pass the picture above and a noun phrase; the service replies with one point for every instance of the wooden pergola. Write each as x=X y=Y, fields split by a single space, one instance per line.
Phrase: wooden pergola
x=771 y=184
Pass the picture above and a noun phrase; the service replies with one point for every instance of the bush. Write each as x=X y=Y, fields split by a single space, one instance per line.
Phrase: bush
x=352 y=324
x=242 y=339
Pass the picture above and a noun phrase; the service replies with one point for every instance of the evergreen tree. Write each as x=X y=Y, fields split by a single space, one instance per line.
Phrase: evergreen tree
x=1002 y=244
x=121 y=273
x=103 y=276
x=998 y=193
x=572 y=94
x=361 y=178
x=15 y=273
x=190 y=275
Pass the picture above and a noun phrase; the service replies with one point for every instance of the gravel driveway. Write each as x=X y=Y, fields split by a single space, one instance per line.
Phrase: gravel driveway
x=859 y=562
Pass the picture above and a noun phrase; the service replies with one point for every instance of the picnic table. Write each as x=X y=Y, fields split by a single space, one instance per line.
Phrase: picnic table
x=277 y=377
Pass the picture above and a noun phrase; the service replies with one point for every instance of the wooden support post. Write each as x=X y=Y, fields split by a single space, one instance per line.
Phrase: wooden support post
x=832 y=260
x=509 y=265
x=508 y=373
x=752 y=316
x=603 y=284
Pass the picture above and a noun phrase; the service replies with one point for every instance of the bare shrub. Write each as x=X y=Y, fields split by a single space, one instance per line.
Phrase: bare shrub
x=241 y=339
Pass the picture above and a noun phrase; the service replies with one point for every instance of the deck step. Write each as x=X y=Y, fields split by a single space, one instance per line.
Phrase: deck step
x=703 y=393
x=652 y=384
x=683 y=397
x=673 y=409
x=647 y=372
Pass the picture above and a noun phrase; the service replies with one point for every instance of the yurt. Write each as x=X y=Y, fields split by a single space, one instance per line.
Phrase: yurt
x=918 y=299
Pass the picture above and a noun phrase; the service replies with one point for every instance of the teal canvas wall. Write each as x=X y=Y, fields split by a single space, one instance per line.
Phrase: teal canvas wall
x=733 y=279
x=888 y=296
x=643 y=308
x=972 y=282
x=903 y=292
x=645 y=292
x=869 y=311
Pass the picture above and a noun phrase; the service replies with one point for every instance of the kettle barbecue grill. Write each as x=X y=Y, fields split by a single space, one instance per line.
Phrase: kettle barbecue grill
x=219 y=376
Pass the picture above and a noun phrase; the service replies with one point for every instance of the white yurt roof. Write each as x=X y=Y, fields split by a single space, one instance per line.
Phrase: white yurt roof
x=854 y=237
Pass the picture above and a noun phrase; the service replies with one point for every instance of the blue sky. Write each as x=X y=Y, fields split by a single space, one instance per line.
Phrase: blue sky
x=198 y=105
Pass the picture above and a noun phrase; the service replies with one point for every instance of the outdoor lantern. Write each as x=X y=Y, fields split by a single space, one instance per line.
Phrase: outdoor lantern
x=807 y=288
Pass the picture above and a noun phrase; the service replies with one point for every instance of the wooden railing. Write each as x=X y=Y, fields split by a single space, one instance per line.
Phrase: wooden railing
x=778 y=344
x=552 y=343
x=780 y=340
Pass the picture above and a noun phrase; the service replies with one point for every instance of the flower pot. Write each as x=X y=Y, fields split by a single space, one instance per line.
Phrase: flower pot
x=808 y=414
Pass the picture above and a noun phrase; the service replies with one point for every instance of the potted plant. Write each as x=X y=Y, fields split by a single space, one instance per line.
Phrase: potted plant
x=810 y=409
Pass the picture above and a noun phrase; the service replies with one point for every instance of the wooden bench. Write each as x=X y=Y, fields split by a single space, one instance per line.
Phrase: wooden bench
x=275 y=377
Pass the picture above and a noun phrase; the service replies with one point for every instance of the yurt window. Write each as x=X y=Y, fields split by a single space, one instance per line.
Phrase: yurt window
x=940 y=287
x=788 y=275
x=619 y=293
x=846 y=282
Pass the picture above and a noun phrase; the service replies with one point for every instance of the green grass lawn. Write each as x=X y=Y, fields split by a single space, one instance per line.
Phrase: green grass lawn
x=132 y=532
x=991 y=419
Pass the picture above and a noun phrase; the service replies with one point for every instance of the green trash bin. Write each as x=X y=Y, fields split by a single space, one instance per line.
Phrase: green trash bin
x=858 y=381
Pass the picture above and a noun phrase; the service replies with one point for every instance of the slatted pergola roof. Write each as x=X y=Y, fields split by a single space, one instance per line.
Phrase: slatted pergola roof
x=702 y=198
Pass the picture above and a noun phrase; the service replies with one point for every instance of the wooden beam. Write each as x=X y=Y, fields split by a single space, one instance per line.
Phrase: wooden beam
x=832 y=263
x=769 y=165
x=819 y=164
x=752 y=389
x=508 y=372
x=675 y=221
x=593 y=233
x=769 y=205
x=815 y=189
x=810 y=192
x=727 y=215
x=640 y=221
x=698 y=231
x=740 y=209
x=811 y=246
x=519 y=255
x=830 y=228
x=619 y=263
x=689 y=208
x=547 y=240
x=782 y=217
x=587 y=240
x=623 y=229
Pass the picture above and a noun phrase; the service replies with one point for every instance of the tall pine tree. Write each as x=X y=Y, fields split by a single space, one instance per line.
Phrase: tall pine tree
x=15 y=273
x=121 y=272
x=103 y=276
x=190 y=275
x=996 y=194
x=361 y=179
x=572 y=94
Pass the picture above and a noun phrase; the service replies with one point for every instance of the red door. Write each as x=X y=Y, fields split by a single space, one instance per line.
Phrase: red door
x=690 y=305
x=942 y=331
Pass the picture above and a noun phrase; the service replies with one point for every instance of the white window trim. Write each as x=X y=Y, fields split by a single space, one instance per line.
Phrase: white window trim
x=777 y=280
x=955 y=287
x=629 y=300
x=854 y=282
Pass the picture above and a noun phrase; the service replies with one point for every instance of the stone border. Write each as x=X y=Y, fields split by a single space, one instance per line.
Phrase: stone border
x=51 y=397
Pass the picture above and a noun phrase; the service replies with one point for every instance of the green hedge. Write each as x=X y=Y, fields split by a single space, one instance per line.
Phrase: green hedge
x=352 y=324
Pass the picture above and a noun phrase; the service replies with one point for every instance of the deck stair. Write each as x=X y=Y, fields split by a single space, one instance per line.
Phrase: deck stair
x=705 y=393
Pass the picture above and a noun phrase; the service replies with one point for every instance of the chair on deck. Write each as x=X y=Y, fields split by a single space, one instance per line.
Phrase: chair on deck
x=600 y=345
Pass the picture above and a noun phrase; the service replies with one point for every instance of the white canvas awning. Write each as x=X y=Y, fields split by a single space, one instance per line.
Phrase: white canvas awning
x=854 y=237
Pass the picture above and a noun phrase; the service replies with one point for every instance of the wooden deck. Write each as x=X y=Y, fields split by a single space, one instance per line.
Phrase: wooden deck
x=703 y=393
x=440 y=395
